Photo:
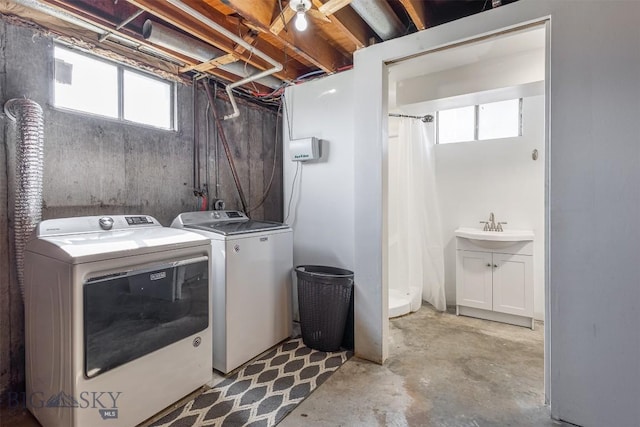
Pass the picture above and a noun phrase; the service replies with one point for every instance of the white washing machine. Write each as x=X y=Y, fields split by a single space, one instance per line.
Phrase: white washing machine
x=251 y=283
x=117 y=319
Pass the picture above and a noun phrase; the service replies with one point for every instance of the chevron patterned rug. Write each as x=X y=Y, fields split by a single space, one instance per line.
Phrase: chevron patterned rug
x=262 y=393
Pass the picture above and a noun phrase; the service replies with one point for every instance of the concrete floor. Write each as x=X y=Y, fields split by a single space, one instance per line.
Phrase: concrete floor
x=443 y=371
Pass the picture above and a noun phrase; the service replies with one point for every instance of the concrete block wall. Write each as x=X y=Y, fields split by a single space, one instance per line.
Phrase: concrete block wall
x=96 y=166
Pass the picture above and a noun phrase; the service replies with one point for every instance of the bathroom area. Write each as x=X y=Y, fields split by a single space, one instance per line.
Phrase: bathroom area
x=466 y=179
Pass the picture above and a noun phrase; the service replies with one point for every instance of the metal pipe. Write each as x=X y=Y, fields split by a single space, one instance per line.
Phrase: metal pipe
x=67 y=17
x=227 y=150
x=380 y=17
x=234 y=37
x=216 y=146
x=166 y=37
x=196 y=138
x=120 y=25
x=27 y=210
x=207 y=149
x=83 y=23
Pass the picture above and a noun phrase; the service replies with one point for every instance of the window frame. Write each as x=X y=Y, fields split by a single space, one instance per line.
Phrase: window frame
x=476 y=124
x=120 y=89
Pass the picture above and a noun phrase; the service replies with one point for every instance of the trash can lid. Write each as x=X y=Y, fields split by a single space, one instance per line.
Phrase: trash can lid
x=323 y=270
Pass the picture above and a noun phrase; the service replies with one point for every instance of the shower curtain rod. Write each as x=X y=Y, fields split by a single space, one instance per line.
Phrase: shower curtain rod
x=427 y=118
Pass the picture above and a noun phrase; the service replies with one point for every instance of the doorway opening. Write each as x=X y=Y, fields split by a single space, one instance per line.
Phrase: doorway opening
x=467 y=174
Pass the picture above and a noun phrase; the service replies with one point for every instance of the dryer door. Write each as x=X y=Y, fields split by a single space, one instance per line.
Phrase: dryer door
x=130 y=314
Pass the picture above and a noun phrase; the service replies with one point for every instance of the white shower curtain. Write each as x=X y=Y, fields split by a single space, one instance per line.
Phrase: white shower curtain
x=416 y=255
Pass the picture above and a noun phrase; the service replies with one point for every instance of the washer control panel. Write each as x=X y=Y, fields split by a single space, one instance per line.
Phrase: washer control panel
x=199 y=217
x=138 y=220
x=91 y=224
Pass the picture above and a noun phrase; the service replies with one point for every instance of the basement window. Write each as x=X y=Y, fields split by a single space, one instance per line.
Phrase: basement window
x=480 y=122
x=91 y=85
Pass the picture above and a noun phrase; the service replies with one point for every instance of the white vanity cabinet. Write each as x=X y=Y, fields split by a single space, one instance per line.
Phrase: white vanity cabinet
x=494 y=280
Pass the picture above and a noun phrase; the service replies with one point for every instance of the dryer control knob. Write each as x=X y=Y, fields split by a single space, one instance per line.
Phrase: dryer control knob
x=106 y=223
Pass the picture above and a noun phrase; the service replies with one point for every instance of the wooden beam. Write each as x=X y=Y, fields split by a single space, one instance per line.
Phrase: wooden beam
x=313 y=49
x=250 y=37
x=350 y=24
x=282 y=20
x=417 y=12
x=192 y=26
x=332 y=6
x=210 y=65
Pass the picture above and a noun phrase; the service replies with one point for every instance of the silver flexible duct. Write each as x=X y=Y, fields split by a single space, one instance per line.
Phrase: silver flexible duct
x=27 y=211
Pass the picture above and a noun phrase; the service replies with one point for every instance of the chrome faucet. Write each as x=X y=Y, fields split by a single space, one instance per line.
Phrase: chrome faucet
x=491 y=224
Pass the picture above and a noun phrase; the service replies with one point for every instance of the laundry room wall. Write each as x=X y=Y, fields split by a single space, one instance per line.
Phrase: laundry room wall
x=96 y=166
x=319 y=204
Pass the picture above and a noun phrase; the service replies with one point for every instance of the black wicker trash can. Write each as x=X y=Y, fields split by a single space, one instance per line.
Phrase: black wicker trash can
x=324 y=294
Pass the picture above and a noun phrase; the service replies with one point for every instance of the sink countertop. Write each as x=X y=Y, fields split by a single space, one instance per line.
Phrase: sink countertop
x=507 y=235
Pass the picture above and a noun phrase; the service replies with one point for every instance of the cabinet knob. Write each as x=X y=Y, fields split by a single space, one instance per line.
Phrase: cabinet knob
x=488 y=265
x=495 y=266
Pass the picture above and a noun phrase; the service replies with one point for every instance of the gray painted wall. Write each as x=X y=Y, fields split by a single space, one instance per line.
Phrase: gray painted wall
x=593 y=206
x=96 y=166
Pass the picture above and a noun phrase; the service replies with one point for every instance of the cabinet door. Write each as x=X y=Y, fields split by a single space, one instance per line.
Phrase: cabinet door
x=473 y=279
x=513 y=284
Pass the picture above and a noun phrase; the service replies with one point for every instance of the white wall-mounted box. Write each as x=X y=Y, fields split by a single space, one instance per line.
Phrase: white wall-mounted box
x=304 y=149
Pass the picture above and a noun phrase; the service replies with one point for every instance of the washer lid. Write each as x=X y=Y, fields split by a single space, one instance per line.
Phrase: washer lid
x=61 y=239
x=230 y=228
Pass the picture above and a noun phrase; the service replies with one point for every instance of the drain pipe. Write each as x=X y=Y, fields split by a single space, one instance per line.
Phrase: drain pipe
x=227 y=150
x=27 y=208
x=234 y=37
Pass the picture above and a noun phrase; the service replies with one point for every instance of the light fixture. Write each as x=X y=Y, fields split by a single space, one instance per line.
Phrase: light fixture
x=301 y=7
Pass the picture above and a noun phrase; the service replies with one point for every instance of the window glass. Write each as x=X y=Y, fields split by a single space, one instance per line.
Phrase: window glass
x=91 y=85
x=499 y=119
x=456 y=125
x=85 y=84
x=147 y=100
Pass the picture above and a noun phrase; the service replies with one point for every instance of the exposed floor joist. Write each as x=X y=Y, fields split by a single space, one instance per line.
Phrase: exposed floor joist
x=416 y=10
x=316 y=50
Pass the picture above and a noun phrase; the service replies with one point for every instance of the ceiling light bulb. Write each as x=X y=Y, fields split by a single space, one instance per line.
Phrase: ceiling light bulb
x=301 y=21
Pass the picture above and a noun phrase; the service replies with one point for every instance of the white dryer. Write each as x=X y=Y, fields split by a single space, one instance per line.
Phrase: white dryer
x=251 y=283
x=117 y=319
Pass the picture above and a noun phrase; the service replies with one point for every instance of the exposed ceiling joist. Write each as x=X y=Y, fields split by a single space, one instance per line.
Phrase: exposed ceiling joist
x=250 y=36
x=281 y=21
x=316 y=50
x=350 y=24
x=109 y=28
x=332 y=6
x=210 y=65
x=177 y=18
x=417 y=12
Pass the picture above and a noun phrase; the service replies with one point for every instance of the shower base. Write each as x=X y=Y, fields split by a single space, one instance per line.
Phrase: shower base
x=401 y=303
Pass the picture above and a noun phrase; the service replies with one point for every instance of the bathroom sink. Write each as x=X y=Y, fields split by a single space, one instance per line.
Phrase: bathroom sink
x=494 y=239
